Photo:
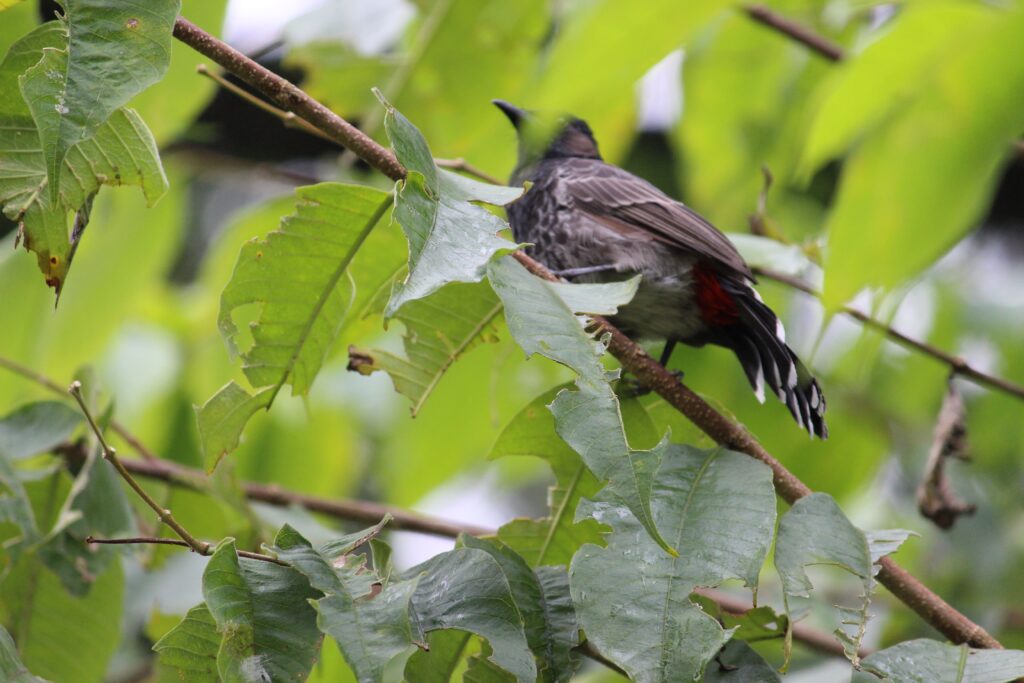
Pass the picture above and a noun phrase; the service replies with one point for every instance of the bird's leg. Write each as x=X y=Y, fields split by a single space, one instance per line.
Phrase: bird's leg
x=666 y=354
x=633 y=388
x=585 y=270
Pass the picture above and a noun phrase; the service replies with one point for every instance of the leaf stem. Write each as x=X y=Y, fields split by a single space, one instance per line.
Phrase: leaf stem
x=153 y=540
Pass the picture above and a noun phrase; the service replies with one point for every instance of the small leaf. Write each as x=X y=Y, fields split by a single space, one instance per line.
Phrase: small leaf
x=929 y=660
x=111 y=52
x=634 y=600
x=739 y=663
x=223 y=417
x=190 y=648
x=450 y=239
x=296 y=273
x=267 y=626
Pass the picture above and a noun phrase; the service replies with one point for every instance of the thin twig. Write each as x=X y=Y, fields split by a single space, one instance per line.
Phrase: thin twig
x=957 y=365
x=461 y=164
x=818 y=44
x=152 y=540
x=936 y=498
x=110 y=455
x=634 y=358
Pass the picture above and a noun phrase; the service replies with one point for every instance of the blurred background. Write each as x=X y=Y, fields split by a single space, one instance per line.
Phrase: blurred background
x=699 y=101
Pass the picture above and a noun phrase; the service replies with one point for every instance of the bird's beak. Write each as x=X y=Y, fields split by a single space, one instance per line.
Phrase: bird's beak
x=514 y=114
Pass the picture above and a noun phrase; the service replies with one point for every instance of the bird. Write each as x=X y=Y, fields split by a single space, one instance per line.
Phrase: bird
x=588 y=220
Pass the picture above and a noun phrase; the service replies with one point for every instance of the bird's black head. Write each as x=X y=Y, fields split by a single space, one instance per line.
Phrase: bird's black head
x=548 y=136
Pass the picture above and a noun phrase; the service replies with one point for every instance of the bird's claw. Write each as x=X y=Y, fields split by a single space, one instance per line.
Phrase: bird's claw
x=631 y=387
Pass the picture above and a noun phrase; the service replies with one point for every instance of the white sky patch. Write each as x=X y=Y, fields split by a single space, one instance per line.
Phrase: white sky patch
x=660 y=94
x=251 y=25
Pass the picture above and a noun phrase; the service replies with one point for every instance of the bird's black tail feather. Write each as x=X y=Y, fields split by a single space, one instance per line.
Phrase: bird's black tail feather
x=759 y=342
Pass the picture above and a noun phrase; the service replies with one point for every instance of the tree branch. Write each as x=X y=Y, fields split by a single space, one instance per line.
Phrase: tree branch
x=151 y=540
x=818 y=44
x=957 y=365
x=936 y=611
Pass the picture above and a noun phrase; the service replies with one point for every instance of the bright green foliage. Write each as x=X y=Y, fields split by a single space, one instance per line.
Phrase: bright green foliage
x=438 y=330
x=816 y=532
x=81 y=82
x=633 y=599
x=190 y=648
x=223 y=417
x=948 y=141
x=541 y=321
x=11 y=668
x=450 y=239
x=297 y=274
x=258 y=642
x=923 y=660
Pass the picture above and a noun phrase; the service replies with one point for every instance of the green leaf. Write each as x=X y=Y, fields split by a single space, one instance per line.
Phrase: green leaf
x=764 y=252
x=739 y=663
x=588 y=419
x=548 y=616
x=223 y=417
x=11 y=668
x=112 y=51
x=7 y=4
x=297 y=275
x=816 y=532
x=924 y=660
x=717 y=508
x=450 y=239
x=760 y=623
x=36 y=428
x=438 y=330
x=267 y=626
x=556 y=538
x=964 y=116
x=190 y=648
x=465 y=589
x=440 y=663
x=371 y=630
x=40 y=613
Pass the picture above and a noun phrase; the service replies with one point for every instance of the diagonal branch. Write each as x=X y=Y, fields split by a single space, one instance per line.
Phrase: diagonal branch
x=932 y=608
x=798 y=32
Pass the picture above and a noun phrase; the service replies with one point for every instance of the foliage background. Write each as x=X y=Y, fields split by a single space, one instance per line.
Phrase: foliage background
x=884 y=167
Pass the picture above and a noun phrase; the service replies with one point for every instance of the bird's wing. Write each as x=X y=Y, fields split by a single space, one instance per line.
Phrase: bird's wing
x=635 y=208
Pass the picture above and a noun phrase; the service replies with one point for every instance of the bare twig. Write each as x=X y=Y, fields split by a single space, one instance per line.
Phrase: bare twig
x=957 y=365
x=110 y=455
x=151 y=540
x=634 y=358
x=935 y=496
x=818 y=44
x=461 y=164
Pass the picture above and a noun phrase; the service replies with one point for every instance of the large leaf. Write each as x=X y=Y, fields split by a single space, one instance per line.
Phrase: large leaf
x=466 y=589
x=268 y=629
x=371 y=630
x=297 y=275
x=816 y=532
x=11 y=668
x=923 y=661
x=438 y=330
x=450 y=239
x=541 y=320
x=900 y=206
x=190 y=648
x=556 y=538
x=717 y=508
x=111 y=51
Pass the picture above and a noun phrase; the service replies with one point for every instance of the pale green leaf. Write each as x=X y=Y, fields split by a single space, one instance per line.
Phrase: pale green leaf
x=371 y=630
x=190 y=648
x=36 y=428
x=297 y=274
x=112 y=51
x=717 y=508
x=268 y=628
x=438 y=330
x=223 y=417
x=7 y=4
x=925 y=661
x=919 y=181
x=465 y=589
x=11 y=668
x=450 y=239
x=588 y=419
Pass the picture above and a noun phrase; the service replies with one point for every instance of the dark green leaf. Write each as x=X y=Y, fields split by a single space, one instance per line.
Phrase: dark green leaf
x=738 y=663
x=36 y=428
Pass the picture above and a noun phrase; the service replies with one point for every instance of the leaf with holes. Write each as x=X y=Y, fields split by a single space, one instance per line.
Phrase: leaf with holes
x=717 y=508
x=450 y=238
x=223 y=417
x=268 y=628
x=438 y=330
x=297 y=275
x=110 y=52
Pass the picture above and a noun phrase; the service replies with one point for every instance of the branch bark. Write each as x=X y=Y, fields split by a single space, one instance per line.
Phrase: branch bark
x=818 y=44
x=904 y=586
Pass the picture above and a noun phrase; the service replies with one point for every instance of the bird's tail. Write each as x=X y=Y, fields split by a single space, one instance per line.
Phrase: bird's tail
x=759 y=342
